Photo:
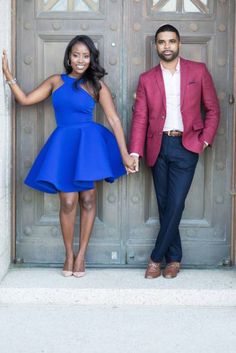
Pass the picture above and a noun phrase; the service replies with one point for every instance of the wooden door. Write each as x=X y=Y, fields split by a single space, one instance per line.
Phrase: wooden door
x=44 y=27
x=207 y=30
x=127 y=218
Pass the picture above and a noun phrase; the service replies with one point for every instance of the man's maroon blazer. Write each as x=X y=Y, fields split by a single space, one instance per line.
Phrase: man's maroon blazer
x=196 y=90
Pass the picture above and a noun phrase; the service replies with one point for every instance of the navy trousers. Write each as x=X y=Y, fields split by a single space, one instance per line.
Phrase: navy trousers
x=172 y=174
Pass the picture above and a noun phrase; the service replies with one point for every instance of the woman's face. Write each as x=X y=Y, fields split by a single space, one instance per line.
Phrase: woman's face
x=79 y=59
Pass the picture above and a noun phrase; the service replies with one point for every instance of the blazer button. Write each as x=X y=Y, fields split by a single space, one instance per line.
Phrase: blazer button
x=163 y=117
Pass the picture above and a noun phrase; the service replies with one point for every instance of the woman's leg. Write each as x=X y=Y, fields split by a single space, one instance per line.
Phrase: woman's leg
x=68 y=207
x=87 y=202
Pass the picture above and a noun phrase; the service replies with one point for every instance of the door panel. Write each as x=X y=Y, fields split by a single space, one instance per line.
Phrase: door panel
x=127 y=218
x=205 y=226
x=45 y=28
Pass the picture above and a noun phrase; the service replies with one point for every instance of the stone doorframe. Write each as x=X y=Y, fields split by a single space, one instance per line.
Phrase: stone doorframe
x=13 y=210
x=233 y=191
x=12 y=158
x=6 y=146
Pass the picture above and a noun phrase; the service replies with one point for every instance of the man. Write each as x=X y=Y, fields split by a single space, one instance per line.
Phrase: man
x=167 y=122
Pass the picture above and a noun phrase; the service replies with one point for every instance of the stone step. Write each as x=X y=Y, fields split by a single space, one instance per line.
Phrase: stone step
x=115 y=287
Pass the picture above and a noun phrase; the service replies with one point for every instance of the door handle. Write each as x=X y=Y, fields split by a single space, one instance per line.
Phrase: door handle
x=231 y=99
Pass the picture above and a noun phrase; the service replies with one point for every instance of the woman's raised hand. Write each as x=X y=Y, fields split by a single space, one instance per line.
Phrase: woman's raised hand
x=5 y=67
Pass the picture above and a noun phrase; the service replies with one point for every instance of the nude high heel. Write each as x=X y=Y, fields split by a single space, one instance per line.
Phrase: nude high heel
x=79 y=274
x=66 y=273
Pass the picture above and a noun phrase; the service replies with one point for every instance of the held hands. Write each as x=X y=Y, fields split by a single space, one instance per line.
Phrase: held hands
x=136 y=164
x=131 y=164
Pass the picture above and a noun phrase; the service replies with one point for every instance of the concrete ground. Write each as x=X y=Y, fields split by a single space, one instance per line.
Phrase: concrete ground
x=124 y=329
x=119 y=287
x=117 y=311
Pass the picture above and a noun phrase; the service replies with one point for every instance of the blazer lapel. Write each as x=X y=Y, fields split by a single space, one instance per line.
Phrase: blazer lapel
x=160 y=83
x=183 y=80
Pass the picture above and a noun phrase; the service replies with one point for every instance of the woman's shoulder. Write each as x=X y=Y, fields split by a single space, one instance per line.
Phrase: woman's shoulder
x=104 y=86
x=55 y=78
x=105 y=91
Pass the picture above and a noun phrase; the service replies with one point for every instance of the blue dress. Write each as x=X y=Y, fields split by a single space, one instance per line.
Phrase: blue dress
x=79 y=151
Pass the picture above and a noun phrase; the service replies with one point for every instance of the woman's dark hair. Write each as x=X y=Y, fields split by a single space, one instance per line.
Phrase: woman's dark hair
x=167 y=28
x=95 y=71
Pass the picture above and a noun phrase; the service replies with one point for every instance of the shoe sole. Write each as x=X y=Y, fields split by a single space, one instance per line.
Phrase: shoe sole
x=78 y=274
x=66 y=273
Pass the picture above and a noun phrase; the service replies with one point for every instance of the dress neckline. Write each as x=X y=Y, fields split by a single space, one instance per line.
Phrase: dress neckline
x=66 y=77
x=74 y=78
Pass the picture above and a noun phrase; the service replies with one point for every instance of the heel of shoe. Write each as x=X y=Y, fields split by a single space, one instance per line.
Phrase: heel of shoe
x=66 y=273
x=79 y=274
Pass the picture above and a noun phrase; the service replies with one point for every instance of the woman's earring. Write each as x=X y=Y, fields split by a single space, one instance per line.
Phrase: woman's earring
x=68 y=62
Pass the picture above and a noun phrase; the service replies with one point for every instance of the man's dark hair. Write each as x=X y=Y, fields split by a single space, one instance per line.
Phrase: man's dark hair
x=167 y=28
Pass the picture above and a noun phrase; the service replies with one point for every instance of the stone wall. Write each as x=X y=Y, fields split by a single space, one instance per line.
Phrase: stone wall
x=5 y=144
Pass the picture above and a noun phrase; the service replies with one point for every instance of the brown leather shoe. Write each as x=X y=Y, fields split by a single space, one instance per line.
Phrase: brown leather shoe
x=171 y=270
x=153 y=270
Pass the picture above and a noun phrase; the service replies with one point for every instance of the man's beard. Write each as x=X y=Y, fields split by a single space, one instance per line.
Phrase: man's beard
x=169 y=58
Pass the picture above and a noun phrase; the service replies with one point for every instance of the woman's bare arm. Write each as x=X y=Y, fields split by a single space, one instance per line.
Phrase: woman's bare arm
x=106 y=101
x=39 y=94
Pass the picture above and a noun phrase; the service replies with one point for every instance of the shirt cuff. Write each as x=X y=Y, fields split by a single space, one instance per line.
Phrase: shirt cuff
x=134 y=154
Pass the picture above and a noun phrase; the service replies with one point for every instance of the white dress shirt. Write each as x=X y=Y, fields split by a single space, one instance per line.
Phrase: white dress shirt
x=172 y=89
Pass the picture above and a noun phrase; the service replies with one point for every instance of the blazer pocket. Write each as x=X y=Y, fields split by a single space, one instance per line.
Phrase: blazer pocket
x=198 y=125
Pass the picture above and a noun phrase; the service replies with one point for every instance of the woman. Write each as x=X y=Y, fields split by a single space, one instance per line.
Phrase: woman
x=79 y=151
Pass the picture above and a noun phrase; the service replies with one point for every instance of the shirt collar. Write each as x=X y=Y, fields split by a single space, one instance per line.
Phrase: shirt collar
x=177 y=69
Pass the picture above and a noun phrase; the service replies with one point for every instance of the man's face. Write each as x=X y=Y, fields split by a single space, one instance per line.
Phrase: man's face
x=167 y=45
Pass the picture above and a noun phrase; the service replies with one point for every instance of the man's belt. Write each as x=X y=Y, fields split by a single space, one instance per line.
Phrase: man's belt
x=173 y=133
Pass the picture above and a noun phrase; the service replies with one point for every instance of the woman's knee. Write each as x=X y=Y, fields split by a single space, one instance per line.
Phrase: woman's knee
x=68 y=205
x=88 y=201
